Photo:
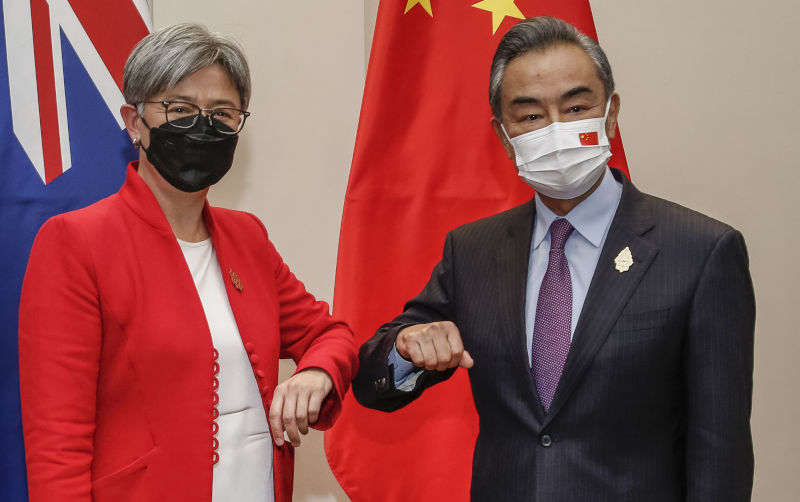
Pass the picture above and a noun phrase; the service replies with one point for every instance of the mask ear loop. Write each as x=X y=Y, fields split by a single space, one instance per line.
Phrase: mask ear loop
x=608 y=108
x=140 y=145
x=504 y=131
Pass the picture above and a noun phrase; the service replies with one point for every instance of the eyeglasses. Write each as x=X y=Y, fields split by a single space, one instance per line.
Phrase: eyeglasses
x=184 y=115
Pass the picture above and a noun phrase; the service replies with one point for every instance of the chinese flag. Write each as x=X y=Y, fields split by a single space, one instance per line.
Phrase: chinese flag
x=426 y=160
x=588 y=138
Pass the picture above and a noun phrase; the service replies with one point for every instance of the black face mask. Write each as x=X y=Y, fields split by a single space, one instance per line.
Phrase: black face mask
x=193 y=158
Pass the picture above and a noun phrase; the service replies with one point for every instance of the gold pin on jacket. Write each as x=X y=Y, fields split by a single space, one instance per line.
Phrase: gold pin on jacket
x=237 y=283
x=624 y=260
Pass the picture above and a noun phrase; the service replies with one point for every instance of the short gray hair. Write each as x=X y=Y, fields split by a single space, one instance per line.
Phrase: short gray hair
x=536 y=34
x=164 y=58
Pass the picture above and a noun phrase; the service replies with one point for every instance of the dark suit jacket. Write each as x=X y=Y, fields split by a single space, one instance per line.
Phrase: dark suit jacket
x=654 y=400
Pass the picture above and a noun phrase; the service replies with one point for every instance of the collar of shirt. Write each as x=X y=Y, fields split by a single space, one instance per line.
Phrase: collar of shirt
x=591 y=218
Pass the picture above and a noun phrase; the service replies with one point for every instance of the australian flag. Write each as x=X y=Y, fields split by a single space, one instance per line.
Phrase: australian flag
x=62 y=146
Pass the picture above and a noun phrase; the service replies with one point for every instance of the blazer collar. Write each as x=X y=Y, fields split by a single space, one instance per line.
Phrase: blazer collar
x=140 y=199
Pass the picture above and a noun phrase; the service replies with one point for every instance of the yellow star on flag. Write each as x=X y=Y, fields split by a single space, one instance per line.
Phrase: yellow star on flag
x=499 y=9
x=426 y=4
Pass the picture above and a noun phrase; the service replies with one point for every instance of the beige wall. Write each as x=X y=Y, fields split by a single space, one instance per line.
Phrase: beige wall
x=708 y=112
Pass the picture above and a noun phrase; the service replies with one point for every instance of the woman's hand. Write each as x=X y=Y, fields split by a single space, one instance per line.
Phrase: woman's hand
x=296 y=404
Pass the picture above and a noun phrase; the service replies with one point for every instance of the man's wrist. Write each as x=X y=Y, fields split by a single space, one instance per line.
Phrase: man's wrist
x=403 y=368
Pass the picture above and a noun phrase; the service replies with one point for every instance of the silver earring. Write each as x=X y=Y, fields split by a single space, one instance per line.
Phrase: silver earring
x=136 y=142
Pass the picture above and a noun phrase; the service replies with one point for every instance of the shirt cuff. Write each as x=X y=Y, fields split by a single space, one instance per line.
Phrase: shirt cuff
x=405 y=373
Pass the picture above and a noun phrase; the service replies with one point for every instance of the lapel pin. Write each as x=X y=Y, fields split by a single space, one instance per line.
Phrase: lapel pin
x=624 y=260
x=237 y=283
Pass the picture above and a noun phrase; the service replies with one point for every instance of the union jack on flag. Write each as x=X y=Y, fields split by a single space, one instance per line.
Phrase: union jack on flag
x=33 y=33
x=62 y=147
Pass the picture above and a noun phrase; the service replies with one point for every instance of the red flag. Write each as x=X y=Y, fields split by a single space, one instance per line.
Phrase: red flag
x=588 y=138
x=426 y=160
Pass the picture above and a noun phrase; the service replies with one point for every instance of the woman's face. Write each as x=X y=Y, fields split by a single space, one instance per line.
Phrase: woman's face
x=209 y=87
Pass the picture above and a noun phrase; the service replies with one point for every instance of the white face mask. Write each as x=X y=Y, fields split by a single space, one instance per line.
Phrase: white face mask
x=565 y=159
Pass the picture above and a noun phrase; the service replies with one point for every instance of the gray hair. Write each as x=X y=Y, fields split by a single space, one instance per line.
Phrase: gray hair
x=164 y=58
x=536 y=34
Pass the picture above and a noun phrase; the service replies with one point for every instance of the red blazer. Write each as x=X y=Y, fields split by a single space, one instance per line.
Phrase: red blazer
x=116 y=360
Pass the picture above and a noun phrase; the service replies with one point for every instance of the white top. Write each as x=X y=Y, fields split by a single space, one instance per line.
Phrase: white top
x=244 y=470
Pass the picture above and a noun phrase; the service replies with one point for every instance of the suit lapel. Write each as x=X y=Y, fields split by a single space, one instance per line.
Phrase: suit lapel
x=513 y=255
x=609 y=290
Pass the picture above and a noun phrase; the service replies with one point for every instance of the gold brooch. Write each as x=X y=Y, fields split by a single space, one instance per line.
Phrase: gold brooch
x=237 y=283
x=624 y=260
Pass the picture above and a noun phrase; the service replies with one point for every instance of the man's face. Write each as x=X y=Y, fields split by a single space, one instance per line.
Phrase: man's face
x=558 y=84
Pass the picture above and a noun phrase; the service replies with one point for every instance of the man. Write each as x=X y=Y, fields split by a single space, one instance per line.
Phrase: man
x=608 y=333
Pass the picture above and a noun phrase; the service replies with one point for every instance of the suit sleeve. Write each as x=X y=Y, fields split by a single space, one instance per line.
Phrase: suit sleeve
x=719 y=373
x=314 y=339
x=59 y=351
x=374 y=385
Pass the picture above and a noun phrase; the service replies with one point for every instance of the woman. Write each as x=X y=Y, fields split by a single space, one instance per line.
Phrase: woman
x=151 y=324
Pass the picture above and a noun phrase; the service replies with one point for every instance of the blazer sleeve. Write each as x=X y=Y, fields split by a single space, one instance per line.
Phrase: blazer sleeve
x=314 y=339
x=59 y=352
x=374 y=385
x=719 y=374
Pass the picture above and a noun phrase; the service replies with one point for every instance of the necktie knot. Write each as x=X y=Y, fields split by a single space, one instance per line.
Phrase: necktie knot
x=560 y=230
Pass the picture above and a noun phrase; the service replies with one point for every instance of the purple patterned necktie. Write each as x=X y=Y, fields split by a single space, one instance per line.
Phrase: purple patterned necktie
x=551 y=330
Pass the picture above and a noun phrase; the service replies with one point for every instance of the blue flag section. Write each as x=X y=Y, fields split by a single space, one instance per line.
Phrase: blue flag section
x=97 y=151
